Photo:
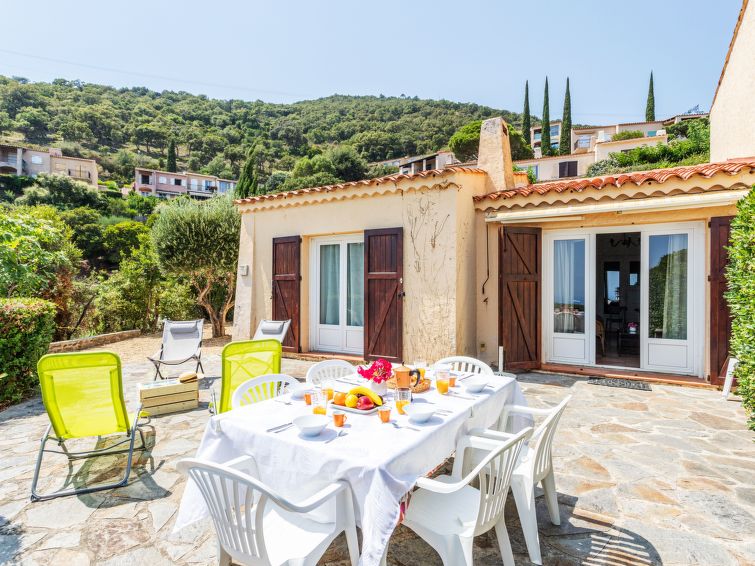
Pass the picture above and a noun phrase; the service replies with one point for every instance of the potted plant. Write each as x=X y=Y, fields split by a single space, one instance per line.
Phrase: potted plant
x=378 y=373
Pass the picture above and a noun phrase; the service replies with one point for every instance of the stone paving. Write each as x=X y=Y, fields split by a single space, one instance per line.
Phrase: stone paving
x=661 y=477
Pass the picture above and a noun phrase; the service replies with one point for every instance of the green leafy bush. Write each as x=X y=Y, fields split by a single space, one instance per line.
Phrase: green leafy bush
x=27 y=329
x=741 y=299
x=628 y=135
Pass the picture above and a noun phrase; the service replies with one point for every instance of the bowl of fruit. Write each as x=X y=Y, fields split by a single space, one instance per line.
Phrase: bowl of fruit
x=358 y=400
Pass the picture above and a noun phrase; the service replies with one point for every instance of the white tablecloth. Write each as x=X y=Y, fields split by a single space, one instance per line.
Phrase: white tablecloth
x=380 y=463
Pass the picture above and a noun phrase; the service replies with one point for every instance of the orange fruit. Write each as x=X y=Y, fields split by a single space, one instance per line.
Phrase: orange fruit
x=339 y=398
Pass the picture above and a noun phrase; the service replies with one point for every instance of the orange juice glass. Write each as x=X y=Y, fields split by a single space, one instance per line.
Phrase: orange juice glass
x=329 y=392
x=441 y=384
x=319 y=402
x=452 y=380
x=403 y=398
x=385 y=413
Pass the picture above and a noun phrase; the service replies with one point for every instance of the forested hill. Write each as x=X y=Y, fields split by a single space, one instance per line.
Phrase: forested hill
x=125 y=127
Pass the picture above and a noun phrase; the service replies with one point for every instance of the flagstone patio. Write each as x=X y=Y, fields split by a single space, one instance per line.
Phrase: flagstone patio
x=660 y=477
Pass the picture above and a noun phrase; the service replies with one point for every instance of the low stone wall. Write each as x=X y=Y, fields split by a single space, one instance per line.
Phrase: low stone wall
x=92 y=341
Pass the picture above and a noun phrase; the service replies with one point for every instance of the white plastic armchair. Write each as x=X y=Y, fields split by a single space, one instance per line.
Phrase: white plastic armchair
x=447 y=512
x=262 y=388
x=257 y=526
x=535 y=466
x=466 y=364
x=329 y=369
x=182 y=342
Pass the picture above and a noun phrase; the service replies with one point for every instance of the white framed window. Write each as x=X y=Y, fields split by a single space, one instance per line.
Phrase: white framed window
x=163 y=180
x=36 y=160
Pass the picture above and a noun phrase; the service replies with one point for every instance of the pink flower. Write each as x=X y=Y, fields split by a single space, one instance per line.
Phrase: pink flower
x=380 y=371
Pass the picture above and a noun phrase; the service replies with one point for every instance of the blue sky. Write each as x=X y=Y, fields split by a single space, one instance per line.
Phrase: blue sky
x=473 y=51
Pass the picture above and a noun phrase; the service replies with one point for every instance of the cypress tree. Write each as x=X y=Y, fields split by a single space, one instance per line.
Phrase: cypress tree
x=171 y=165
x=545 y=128
x=650 y=106
x=564 y=147
x=526 y=119
x=244 y=187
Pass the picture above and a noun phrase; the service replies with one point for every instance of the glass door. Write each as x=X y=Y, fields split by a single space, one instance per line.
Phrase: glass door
x=337 y=299
x=568 y=312
x=672 y=286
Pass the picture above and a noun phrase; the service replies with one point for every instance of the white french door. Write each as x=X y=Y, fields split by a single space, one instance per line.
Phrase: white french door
x=337 y=294
x=567 y=309
x=672 y=299
x=671 y=296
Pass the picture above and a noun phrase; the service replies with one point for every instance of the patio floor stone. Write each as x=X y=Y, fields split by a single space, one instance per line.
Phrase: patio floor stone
x=644 y=477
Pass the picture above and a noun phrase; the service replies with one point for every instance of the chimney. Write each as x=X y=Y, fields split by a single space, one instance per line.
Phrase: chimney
x=494 y=155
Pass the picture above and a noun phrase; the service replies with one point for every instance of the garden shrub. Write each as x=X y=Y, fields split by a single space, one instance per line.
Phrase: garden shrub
x=27 y=328
x=627 y=135
x=741 y=299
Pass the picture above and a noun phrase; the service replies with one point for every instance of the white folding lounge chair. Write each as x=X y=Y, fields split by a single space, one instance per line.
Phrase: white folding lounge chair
x=272 y=330
x=182 y=342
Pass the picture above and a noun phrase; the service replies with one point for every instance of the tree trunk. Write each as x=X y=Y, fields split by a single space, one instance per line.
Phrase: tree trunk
x=218 y=328
x=230 y=292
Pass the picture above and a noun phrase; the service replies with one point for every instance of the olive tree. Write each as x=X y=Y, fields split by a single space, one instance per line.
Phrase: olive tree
x=200 y=240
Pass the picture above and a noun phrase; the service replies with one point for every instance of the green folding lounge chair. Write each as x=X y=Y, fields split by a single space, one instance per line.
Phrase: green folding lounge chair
x=83 y=396
x=244 y=360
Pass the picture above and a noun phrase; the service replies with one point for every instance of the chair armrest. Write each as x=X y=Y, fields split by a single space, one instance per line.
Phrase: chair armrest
x=156 y=357
x=245 y=464
x=525 y=410
x=490 y=433
x=315 y=500
x=439 y=486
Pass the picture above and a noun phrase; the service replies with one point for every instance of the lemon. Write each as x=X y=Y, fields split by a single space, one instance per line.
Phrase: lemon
x=351 y=401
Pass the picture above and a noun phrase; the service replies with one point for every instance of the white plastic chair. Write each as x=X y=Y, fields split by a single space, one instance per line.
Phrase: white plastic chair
x=535 y=466
x=257 y=526
x=466 y=364
x=329 y=369
x=261 y=388
x=447 y=512
x=729 y=381
x=182 y=342
x=272 y=330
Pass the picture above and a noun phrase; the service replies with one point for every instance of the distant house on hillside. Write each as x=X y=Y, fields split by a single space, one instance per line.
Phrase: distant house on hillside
x=164 y=184
x=590 y=144
x=419 y=163
x=20 y=160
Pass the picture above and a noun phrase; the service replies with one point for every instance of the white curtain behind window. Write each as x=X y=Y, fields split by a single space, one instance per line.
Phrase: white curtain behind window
x=355 y=280
x=330 y=257
x=568 y=286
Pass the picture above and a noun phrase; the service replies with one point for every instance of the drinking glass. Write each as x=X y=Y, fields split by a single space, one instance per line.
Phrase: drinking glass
x=319 y=402
x=403 y=398
x=441 y=379
x=328 y=389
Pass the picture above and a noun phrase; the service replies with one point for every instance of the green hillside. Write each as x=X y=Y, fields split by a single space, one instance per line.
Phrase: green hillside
x=125 y=127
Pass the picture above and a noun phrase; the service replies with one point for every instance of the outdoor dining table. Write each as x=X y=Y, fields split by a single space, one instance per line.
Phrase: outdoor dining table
x=380 y=462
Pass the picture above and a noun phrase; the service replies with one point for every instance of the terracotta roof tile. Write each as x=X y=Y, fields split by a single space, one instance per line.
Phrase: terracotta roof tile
x=396 y=177
x=638 y=178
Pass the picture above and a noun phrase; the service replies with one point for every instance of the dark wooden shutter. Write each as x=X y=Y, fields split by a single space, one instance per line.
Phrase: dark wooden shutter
x=383 y=294
x=287 y=287
x=720 y=318
x=519 y=296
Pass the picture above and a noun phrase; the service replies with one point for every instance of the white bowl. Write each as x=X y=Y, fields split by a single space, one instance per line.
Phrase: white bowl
x=311 y=425
x=475 y=384
x=298 y=391
x=419 y=412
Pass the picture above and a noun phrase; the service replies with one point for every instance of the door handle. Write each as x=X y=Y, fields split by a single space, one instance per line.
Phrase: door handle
x=401 y=294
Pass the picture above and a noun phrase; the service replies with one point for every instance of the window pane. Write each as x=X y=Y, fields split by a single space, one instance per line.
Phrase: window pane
x=355 y=290
x=569 y=286
x=667 y=287
x=330 y=259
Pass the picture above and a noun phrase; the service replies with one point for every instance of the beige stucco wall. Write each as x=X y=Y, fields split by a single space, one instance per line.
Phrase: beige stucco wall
x=732 y=117
x=79 y=169
x=604 y=149
x=438 y=248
